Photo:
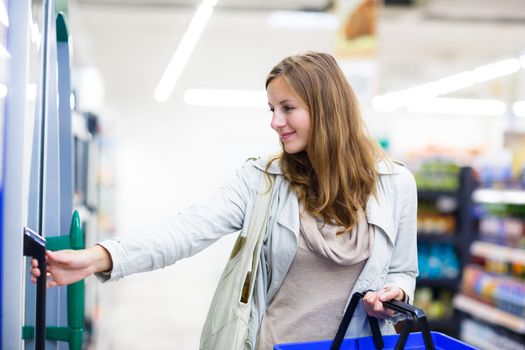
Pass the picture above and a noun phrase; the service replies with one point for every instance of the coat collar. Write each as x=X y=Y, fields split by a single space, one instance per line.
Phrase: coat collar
x=378 y=212
x=383 y=166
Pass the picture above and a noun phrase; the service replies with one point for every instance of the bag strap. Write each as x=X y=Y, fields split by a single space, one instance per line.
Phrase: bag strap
x=413 y=313
x=257 y=226
x=259 y=218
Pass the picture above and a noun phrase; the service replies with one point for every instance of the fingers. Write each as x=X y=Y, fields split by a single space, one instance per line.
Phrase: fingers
x=374 y=306
x=51 y=258
x=390 y=292
x=35 y=271
x=50 y=281
x=50 y=255
x=370 y=303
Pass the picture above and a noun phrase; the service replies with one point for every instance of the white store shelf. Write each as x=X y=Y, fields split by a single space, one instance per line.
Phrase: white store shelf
x=489 y=313
x=487 y=195
x=497 y=252
x=475 y=341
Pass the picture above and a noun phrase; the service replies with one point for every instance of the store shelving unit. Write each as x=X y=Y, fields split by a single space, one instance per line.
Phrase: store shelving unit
x=489 y=313
x=460 y=240
x=448 y=283
x=86 y=139
x=438 y=238
x=482 y=304
x=509 y=196
x=499 y=252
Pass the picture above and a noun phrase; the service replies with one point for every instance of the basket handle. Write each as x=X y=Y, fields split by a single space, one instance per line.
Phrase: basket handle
x=412 y=313
x=415 y=314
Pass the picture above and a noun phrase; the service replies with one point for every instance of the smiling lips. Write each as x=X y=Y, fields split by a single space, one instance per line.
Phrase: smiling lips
x=286 y=135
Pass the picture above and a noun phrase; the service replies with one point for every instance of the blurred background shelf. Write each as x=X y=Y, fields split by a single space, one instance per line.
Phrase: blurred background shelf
x=489 y=313
x=435 y=194
x=495 y=251
x=437 y=237
x=489 y=195
x=451 y=325
x=449 y=283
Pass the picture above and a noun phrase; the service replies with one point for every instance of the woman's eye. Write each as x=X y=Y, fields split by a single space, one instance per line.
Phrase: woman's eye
x=287 y=108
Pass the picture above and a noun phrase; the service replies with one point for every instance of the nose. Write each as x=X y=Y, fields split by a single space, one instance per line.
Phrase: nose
x=278 y=120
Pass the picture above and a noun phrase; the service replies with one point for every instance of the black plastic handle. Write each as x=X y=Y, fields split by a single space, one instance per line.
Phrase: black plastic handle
x=416 y=314
x=35 y=246
x=412 y=313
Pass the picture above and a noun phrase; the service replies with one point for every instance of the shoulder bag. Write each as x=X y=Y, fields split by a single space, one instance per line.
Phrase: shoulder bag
x=226 y=325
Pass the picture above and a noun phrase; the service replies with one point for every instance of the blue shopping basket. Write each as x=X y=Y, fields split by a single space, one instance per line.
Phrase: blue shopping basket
x=405 y=340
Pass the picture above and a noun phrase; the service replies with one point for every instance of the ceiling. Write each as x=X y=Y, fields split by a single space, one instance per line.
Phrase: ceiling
x=416 y=44
x=311 y=5
x=503 y=11
x=463 y=10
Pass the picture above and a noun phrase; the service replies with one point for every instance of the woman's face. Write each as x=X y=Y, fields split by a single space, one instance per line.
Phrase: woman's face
x=291 y=118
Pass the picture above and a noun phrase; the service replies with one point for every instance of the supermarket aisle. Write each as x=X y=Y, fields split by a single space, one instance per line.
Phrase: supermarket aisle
x=171 y=155
x=159 y=310
x=166 y=308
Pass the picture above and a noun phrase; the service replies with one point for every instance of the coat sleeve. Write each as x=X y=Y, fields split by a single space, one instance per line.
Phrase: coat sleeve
x=403 y=268
x=186 y=233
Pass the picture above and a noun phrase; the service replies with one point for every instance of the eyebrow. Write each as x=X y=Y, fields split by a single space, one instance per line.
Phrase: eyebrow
x=282 y=102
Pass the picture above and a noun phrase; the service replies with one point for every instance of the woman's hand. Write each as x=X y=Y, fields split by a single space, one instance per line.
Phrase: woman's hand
x=373 y=301
x=69 y=266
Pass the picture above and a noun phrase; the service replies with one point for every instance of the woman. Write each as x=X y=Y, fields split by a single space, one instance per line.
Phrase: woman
x=342 y=217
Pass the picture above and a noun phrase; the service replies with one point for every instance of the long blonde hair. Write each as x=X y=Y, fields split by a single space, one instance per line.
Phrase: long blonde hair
x=336 y=174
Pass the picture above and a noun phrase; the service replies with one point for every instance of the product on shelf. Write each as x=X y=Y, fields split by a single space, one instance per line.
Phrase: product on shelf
x=503 y=292
x=433 y=220
x=502 y=223
x=437 y=260
x=495 y=169
x=430 y=223
x=482 y=335
x=437 y=304
x=445 y=230
x=438 y=175
x=502 y=260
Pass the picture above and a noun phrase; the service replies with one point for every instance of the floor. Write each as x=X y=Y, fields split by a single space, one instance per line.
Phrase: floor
x=163 y=309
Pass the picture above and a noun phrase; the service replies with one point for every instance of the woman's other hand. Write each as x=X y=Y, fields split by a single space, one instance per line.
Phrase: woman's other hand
x=373 y=301
x=69 y=266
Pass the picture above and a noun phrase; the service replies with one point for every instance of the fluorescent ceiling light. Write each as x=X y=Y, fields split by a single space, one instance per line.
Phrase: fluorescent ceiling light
x=456 y=82
x=458 y=106
x=496 y=70
x=302 y=20
x=385 y=103
x=182 y=54
x=3 y=91
x=519 y=108
x=226 y=98
x=391 y=101
x=4 y=17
